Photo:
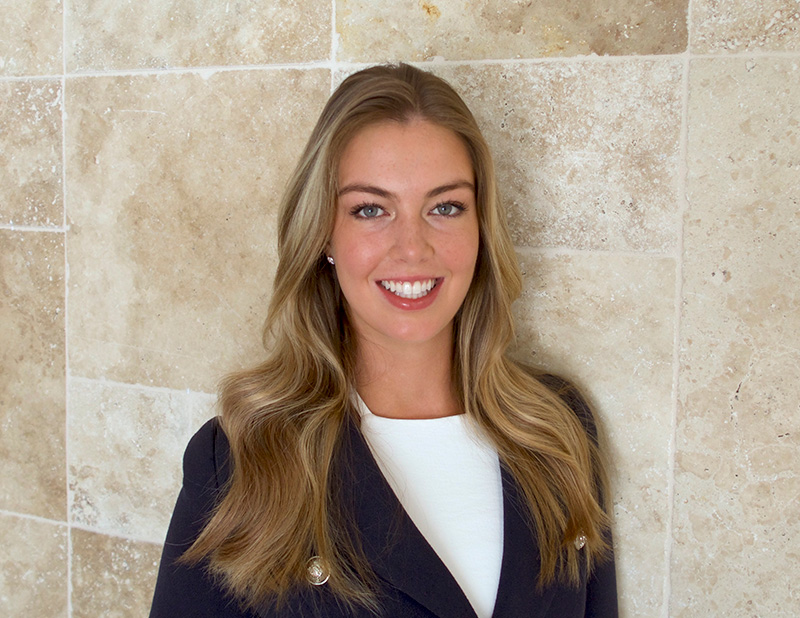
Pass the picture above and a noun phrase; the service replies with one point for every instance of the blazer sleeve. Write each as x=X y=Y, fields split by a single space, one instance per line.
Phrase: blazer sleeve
x=188 y=590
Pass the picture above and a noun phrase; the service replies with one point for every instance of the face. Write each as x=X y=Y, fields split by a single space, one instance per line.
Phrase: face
x=405 y=240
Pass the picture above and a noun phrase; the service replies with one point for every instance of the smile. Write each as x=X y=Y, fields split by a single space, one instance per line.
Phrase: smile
x=406 y=289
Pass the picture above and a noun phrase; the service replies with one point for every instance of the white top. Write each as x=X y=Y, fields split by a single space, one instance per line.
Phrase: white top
x=447 y=477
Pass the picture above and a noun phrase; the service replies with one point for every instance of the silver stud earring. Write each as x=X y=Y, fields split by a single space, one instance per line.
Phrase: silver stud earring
x=330 y=260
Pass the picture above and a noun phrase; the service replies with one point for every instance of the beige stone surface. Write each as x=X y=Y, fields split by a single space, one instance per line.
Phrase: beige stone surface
x=737 y=479
x=606 y=322
x=107 y=34
x=174 y=187
x=586 y=153
x=745 y=25
x=30 y=153
x=33 y=568
x=125 y=453
x=30 y=43
x=112 y=577
x=32 y=373
x=461 y=30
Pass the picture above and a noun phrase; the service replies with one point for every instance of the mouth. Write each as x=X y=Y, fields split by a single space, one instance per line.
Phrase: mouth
x=410 y=289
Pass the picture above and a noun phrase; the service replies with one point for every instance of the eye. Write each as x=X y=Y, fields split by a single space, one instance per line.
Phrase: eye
x=367 y=211
x=448 y=209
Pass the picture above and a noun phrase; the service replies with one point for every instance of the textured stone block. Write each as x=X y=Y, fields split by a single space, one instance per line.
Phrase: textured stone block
x=31 y=39
x=32 y=389
x=174 y=185
x=30 y=153
x=106 y=34
x=112 y=577
x=745 y=25
x=460 y=30
x=33 y=568
x=586 y=153
x=738 y=440
x=148 y=431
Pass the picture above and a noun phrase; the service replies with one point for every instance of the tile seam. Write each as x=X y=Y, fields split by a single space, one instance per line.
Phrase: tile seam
x=327 y=64
x=36 y=518
x=137 y=387
x=116 y=535
x=207 y=70
x=333 y=44
x=63 y=81
x=28 y=78
x=33 y=228
x=672 y=444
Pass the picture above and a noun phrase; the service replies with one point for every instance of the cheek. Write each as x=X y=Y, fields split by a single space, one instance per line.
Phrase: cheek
x=355 y=254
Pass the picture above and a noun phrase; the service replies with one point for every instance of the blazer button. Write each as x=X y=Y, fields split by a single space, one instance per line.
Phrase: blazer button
x=580 y=541
x=316 y=573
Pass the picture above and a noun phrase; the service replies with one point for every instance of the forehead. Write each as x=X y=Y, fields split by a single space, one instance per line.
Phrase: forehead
x=417 y=149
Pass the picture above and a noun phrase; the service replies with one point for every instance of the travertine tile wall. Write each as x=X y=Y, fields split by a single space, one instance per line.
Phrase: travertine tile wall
x=649 y=156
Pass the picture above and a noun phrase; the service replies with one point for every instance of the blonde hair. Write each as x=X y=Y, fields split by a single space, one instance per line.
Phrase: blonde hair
x=285 y=418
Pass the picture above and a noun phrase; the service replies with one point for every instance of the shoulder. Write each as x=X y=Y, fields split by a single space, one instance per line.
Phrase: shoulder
x=206 y=466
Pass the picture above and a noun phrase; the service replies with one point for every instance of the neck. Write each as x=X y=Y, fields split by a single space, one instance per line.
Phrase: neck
x=408 y=381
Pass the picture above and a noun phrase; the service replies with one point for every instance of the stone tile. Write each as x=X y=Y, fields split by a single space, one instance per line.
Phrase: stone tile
x=32 y=35
x=606 y=322
x=174 y=187
x=586 y=153
x=738 y=443
x=32 y=377
x=745 y=25
x=33 y=567
x=30 y=153
x=105 y=34
x=147 y=429
x=458 y=30
x=112 y=577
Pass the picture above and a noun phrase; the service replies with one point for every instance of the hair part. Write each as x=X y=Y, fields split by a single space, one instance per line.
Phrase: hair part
x=285 y=418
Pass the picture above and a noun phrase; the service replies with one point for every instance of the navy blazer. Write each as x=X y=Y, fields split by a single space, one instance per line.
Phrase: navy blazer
x=414 y=583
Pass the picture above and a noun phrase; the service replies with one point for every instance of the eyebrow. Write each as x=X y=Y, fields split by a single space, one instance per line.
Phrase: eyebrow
x=361 y=188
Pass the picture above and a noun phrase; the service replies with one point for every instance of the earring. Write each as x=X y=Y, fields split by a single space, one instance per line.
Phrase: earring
x=330 y=260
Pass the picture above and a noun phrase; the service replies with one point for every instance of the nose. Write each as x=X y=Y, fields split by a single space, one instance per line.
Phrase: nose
x=411 y=240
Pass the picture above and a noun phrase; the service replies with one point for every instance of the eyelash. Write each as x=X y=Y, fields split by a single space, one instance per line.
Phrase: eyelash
x=356 y=210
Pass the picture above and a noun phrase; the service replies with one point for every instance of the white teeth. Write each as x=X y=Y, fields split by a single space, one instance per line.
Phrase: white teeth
x=406 y=289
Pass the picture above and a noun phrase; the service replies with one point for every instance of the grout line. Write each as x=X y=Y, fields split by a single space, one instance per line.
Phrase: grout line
x=137 y=387
x=333 y=44
x=73 y=526
x=29 y=78
x=117 y=535
x=749 y=54
x=558 y=251
x=66 y=298
x=36 y=518
x=683 y=172
x=326 y=64
x=205 y=71
x=32 y=228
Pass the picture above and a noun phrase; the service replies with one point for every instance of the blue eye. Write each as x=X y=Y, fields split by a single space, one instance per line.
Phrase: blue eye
x=448 y=209
x=367 y=211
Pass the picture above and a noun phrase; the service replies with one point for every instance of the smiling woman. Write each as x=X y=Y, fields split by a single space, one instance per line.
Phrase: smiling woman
x=388 y=458
x=405 y=240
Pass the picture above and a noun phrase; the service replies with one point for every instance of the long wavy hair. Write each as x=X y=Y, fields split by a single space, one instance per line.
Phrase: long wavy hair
x=285 y=418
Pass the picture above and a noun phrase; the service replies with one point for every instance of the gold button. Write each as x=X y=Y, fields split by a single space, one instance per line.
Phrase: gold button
x=317 y=574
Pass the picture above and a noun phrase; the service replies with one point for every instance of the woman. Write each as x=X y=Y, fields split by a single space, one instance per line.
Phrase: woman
x=388 y=458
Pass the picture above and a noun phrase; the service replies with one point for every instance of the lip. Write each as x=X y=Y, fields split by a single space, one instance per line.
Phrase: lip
x=410 y=304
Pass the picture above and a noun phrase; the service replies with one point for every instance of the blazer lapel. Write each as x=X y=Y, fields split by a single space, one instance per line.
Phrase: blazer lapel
x=517 y=593
x=394 y=547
